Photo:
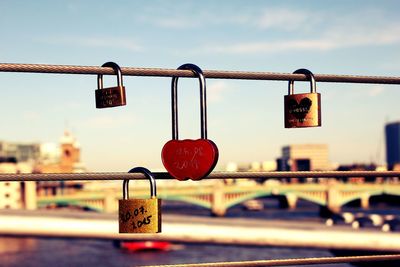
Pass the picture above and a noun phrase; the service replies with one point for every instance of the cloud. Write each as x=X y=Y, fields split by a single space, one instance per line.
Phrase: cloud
x=215 y=91
x=176 y=23
x=340 y=38
x=271 y=47
x=376 y=90
x=282 y=18
x=322 y=31
x=95 y=42
x=271 y=18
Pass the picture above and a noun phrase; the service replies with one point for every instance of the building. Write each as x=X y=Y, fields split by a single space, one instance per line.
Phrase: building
x=38 y=158
x=22 y=152
x=16 y=195
x=304 y=157
x=392 y=134
x=18 y=158
x=63 y=159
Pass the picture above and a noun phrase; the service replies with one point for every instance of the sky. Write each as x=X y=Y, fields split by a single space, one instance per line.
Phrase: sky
x=245 y=118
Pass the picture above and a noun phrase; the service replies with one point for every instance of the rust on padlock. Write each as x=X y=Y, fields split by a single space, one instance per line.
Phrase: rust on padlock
x=303 y=110
x=111 y=96
x=140 y=215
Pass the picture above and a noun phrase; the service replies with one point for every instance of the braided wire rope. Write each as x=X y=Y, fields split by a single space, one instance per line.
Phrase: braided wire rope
x=291 y=262
x=214 y=74
x=7 y=177
x=129 y=71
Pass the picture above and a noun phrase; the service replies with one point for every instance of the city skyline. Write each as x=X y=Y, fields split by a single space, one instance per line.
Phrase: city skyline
x=245 y=118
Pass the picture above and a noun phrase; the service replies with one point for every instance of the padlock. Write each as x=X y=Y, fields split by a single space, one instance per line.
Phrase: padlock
x=140 y=215
x=303 y=110
x=189 y=159
x=111 y=96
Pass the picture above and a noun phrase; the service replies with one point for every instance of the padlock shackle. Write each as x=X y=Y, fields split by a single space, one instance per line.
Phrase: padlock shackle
x=148 y=174
x=117 y=71
x=203 y=104
x=309 y=75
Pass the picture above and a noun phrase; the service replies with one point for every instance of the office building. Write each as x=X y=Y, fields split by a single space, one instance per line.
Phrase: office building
x=392 y=134
x=22 y=152
x=305 y=157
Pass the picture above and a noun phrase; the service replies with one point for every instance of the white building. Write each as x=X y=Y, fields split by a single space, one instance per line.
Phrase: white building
x=302 y=157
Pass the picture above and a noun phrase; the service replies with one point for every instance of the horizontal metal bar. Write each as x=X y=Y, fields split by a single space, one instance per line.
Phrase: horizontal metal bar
x=291 y=262
x=215 y=175
x=213 y=74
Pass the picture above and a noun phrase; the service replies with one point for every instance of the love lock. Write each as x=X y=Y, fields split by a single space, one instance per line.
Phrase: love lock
x=111 y=96
x=189 y=159
x=303 y=110
x=140 y=215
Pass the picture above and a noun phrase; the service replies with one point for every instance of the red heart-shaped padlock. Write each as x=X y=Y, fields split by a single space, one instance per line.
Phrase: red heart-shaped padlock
x=189 y=159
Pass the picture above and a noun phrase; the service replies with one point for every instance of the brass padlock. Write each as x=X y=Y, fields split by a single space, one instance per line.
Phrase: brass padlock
x=111 y=96
x=140 y=215
x=303 y=110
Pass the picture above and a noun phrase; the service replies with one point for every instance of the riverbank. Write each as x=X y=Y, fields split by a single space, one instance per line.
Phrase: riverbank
x=191 y=229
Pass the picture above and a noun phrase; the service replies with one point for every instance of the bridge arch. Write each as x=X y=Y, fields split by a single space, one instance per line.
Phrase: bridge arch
x=202 y=201
x=388 y=199
x=313 y=198
x=79 y=204
x=245 y=197
x=359 y=196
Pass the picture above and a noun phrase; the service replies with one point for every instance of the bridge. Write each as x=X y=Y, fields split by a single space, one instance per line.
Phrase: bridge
x=219 y=197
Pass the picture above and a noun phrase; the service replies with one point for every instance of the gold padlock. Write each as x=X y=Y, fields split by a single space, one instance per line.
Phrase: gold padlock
x=140 y=215
x=303 y=110
x=111 y=96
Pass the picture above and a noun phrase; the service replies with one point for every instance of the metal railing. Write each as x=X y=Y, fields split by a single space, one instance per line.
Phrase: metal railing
x=214 y=74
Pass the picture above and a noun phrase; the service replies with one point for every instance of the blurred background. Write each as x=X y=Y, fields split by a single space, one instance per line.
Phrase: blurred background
x=50 y=125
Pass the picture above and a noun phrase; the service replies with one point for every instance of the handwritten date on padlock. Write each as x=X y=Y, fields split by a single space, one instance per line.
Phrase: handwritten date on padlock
x=140 y=216
x=189 y=159
x=135 y=218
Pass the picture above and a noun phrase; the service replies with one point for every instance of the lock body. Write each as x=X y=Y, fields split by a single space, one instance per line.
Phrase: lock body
x=189 y=159
x=110 y=97
x=302 y=110
x=140 y=215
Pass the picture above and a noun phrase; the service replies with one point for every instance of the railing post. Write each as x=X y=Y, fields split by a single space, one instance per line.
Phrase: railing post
x=365 y=200
x=29 y=196
x=291 y=201
x=109 y=202
x=333 y=197
x=218 y=207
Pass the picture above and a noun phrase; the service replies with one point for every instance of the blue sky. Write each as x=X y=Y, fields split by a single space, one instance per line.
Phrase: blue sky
x=245 y=118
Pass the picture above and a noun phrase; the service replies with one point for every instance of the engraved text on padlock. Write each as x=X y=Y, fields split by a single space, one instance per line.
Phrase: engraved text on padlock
x=189 y=159
x=303 y=110
x=111 y=96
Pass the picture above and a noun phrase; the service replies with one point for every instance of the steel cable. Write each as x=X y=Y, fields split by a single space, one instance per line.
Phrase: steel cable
x=214 y=74
x=290 y=262
x=214 y=175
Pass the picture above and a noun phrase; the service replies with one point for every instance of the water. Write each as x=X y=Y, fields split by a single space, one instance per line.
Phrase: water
x=96 y=253
x=32 y=252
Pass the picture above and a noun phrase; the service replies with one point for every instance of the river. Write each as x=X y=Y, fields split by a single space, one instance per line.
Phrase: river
x=24 y=251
